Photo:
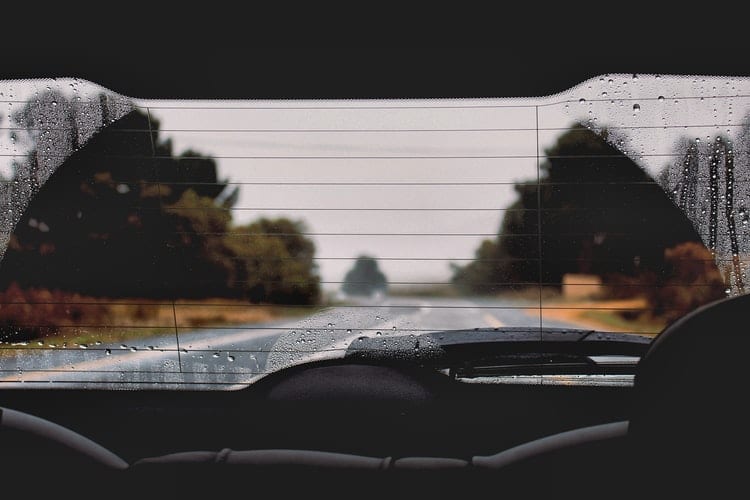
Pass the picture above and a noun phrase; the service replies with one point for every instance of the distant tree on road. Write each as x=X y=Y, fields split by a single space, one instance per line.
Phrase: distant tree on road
x=365 y=278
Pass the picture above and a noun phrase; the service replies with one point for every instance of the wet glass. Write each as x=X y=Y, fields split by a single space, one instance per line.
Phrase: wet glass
x=206 y=244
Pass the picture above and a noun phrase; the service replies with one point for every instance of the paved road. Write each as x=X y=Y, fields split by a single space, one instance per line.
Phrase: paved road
x=218 y=357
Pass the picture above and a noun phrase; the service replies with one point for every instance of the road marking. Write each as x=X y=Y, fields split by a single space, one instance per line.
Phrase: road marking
x=492 y=321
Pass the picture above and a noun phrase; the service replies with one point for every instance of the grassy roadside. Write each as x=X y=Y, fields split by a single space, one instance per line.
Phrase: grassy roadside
x=108 y=321
x=615 y=322
x=605 y=315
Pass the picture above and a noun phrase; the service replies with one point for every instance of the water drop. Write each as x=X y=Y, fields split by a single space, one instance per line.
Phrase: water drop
x=348 y=330
x=394 y=328
x=379 y=334
x=661 y=98
x=133 y=349
x=636 y=108
x=83 y=346
x=123 y=346
x=330 y=325
x=582 y=101
x=230 y=359
x=107 y=352
x=215 y=355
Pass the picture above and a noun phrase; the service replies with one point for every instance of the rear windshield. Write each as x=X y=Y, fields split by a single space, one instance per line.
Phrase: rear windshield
x=207 y=244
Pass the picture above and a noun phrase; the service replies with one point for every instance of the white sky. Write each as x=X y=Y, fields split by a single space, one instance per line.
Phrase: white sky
x=406 y=143
x=492 y=142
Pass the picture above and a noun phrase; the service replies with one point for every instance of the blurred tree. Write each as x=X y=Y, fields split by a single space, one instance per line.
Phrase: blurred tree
x=276 y=262
x=365 y=278
x=125 y=217
x=600 y=214
x=689 y=280
x=203 y=264
x=96 y=226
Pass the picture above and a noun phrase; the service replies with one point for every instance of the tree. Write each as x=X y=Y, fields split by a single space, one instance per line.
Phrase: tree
x=126 y=217
x=690 y=279
x=364 y=278
x=600 y=214
x=276 y=262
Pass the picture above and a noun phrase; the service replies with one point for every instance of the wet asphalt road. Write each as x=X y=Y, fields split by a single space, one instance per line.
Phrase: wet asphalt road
x=220 y=357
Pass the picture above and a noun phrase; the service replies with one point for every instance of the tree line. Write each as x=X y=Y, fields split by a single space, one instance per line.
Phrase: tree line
x=126 y=216
x=600 y=214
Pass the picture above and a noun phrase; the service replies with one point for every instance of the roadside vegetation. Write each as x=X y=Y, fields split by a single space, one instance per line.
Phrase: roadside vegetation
x=127 y=219
x=618 y=225
x=55 y=317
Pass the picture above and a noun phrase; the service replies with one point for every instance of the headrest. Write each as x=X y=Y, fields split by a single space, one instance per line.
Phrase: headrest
x=692 y=387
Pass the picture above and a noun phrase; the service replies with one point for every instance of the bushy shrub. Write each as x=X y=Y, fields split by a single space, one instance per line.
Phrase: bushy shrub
x=690 y=279
x=35 y=313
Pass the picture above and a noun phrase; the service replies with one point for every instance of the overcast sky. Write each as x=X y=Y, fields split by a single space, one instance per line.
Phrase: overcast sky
x=395 y=172
x=490 y=141
x=402 y=163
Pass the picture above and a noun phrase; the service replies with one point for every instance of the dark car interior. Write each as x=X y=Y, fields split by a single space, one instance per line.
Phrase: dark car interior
x=682 y=425
x=354 y=428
